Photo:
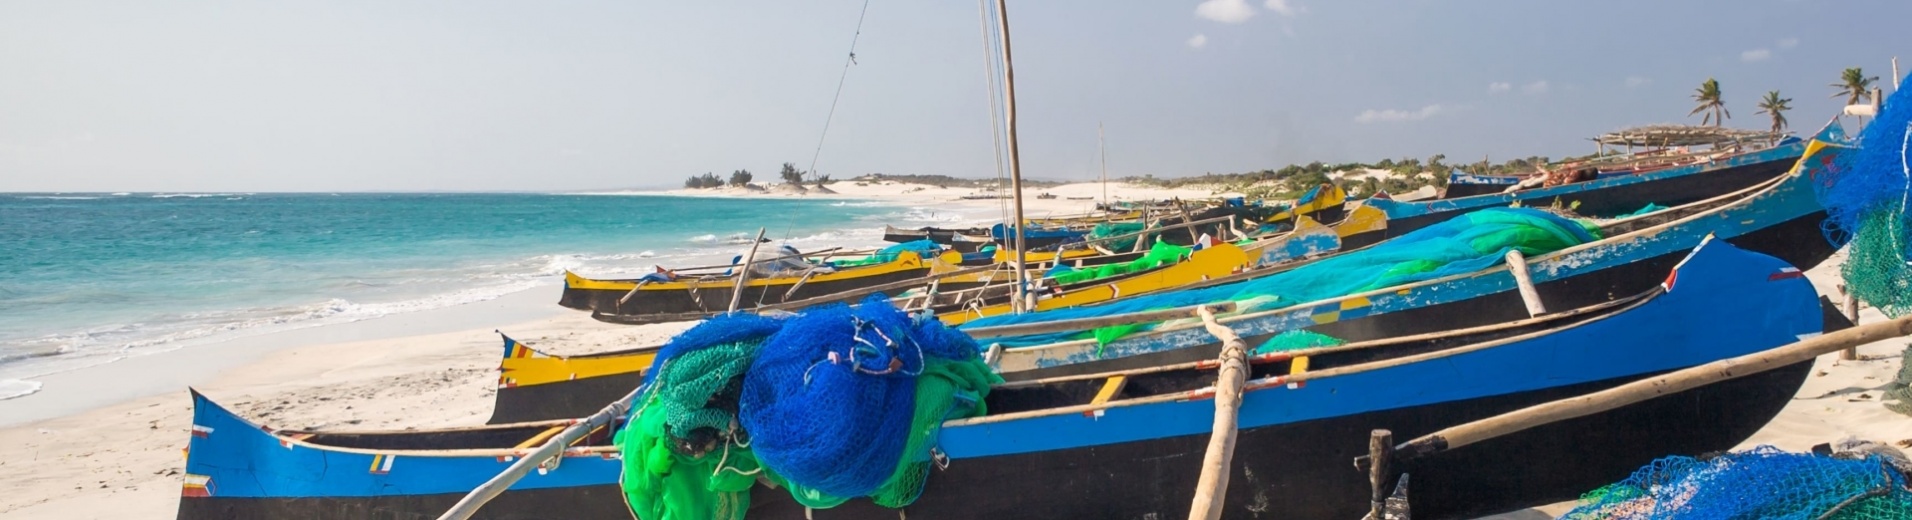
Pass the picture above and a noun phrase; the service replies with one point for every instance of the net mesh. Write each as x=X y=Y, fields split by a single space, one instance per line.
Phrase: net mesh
x=1865 y=194
x=1463 y=244
x=1160 y=254
x=1761 y=483
x=1297 y=340
x=922 y=248
x=1110 y=229
x=831 y=404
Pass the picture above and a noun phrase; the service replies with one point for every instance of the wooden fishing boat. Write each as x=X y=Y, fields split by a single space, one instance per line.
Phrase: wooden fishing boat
x=537 y=386
x=1613 y=195
x=1128 y=444
x=1780 y=217
x=694 y=295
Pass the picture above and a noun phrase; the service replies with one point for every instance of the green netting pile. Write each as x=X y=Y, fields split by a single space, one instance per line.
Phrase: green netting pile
x=1160 y=254
x=1865 y=194
x=922 y=248
x=1109 y=229
x=1463 y=244
x=831 y=404
x=1648 y=208
x=1296 y=340
x=1761 y=483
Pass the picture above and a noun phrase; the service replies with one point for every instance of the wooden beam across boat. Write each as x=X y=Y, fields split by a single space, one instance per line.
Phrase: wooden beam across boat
x=1023 y=329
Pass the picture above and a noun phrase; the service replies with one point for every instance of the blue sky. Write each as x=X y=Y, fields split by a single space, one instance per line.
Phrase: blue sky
x=334 y=96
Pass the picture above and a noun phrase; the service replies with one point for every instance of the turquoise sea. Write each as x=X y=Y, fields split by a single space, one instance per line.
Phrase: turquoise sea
x=94 y=278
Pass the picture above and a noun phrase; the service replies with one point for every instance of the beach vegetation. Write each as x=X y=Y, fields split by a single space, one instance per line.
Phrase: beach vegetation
x=707 y=180
x=1854 y=85
x=1775 y=107
x=740 y=178
x=791 y=175
x=1711 y=104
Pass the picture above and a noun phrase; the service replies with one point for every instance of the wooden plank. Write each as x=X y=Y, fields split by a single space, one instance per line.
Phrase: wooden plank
x=1110 y=388
x=1637 y=391
x=743 y=275
x=1211 y=487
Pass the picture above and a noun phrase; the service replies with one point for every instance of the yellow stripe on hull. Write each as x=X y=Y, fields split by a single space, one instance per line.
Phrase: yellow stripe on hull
x=904 y=261
x=542 y=370
x=1361 y=220
x=1214 y=262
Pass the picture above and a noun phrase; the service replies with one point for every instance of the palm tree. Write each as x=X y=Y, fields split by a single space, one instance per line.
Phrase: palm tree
x=1710 y=102
x=1775 y=106
x=1854 y=85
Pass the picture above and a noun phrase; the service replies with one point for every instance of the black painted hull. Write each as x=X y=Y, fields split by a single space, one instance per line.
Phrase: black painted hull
x=1627 y=198
x=561 y=400
x=587 y=502
x=1797 y=241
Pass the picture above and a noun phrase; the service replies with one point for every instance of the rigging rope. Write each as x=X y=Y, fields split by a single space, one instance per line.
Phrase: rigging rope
x=839 y=90
x=990 y=78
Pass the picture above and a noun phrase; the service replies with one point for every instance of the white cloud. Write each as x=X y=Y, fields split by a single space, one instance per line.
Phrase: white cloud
x=1788 y=43
x=1198 y=41
x=1755 y=55
x=1499 y=86
x=1395 y=115
x=1637 y=82
x=1285 y=7
x=1537 y=87
x=1225 y=11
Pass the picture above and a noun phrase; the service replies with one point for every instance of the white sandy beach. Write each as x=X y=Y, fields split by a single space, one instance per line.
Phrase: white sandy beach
x=106 y=442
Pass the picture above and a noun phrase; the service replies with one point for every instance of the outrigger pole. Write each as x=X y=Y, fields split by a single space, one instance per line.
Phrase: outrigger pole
x=1015 y=158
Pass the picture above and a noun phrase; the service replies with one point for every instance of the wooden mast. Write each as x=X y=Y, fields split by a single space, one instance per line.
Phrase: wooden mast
x=1102 y=149
x=1015 y=158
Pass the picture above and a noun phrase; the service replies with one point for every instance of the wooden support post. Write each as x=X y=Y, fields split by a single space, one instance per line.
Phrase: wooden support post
x=1637 y=391
x=1380 y=453
x=1517 y=264
x=1212 y=487
x=468 y=506
x=1852 y=315
x=743 y=273
x=1188 y=219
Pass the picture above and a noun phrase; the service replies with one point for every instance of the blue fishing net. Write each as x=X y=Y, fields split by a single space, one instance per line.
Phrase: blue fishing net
x=1866 y=196
x=1761 y=483
x=1463 y=244
x=830 y=399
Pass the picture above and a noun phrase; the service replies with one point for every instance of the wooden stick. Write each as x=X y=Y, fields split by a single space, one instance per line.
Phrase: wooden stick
x=1015 y=153
x=1637 y=391
x=1380 y=451
x=1188 y=219
x=468 y=506
x=824 y=252
x=1517 y=264
x=1852 y=315
x=1212 y=487
x=743 y=275
x=1023 y=329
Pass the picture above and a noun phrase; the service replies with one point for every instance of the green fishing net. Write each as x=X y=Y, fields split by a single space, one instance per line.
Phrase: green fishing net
x=1297 y=340
x=1160 y=254
x=674 y=472
x=1876 y=269
x=1109 y=229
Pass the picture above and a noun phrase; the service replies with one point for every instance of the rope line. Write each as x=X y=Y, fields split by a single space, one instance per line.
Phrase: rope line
x=839 y=90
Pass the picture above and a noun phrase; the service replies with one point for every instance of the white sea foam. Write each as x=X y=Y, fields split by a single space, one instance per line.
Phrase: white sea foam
x=193 y=195
x=56 y=197
x=11 y=388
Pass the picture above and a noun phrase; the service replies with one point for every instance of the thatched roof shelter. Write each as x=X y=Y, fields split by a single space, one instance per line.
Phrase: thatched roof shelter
x=1662 y=136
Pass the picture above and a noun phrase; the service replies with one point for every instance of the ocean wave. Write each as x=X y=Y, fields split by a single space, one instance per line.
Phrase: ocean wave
x=194 y=195
x=11 y=388
x=55 y=197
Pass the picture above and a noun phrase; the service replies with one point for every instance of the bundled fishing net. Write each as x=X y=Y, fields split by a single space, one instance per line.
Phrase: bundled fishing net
x=831 y=404
x=1865 y=194
x=1110 y=229
x=1761 y=483
x=922 y=248
x=1463 y=244
x=1160 y=254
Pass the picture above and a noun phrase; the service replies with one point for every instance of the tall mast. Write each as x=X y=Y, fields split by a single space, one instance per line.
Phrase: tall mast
x=1102 y=148
x=1015 y=157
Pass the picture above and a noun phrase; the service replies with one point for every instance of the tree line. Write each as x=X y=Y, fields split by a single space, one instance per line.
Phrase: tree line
x=739 y=178
x=1853 y=84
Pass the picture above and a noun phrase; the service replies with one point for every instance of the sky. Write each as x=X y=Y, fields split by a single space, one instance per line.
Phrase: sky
x=580 y=95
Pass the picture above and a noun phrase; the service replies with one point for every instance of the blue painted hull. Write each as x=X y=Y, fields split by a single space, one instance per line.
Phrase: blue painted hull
x=1127 y=460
